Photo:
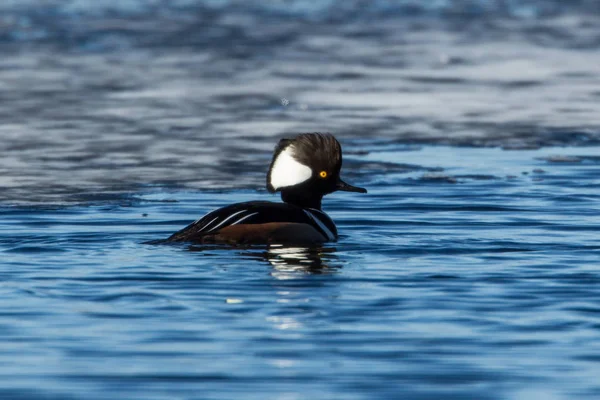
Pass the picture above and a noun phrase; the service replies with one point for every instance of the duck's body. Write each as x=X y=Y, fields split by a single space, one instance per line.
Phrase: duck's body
x=303 y=169
x=260 y=222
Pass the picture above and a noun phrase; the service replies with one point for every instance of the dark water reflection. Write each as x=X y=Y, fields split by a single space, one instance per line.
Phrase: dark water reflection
x=198 y=99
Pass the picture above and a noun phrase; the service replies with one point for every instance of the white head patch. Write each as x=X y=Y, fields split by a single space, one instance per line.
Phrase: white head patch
x=287 y=171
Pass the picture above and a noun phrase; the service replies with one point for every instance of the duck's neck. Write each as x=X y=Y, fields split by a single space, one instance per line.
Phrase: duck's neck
x=301 y=198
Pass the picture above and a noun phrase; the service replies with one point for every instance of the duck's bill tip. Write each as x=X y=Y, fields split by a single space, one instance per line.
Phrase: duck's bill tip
x=344 y=187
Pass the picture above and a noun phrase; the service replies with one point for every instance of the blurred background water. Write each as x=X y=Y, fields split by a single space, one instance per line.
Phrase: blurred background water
x=470 y=270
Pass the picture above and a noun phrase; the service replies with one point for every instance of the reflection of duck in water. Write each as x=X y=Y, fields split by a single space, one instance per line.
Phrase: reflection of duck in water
x=287 y=259
x=303 y=169
x=291 y=260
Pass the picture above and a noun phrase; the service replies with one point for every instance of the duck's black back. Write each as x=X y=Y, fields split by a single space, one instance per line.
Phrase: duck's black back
x=256 y=212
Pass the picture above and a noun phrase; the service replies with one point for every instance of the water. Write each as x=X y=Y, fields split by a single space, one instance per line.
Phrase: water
x=469 y=270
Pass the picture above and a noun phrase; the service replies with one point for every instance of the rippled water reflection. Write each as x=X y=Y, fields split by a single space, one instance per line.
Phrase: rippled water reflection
x=464 y=273
x=195 y=114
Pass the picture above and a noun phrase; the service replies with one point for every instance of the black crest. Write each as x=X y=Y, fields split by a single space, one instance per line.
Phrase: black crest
x=318 y=151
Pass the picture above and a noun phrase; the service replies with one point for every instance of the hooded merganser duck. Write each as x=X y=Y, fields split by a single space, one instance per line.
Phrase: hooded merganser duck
x=303 y=169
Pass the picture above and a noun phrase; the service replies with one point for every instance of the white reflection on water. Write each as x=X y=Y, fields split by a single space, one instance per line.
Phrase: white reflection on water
x=287 y=262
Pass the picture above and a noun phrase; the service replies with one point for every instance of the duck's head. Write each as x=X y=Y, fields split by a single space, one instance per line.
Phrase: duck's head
x=306 y=168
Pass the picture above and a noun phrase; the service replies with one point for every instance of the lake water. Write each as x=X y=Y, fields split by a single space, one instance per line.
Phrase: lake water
x=469 y=270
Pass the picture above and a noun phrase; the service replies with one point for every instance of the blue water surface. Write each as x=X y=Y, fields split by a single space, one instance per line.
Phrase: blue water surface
x=480 y=281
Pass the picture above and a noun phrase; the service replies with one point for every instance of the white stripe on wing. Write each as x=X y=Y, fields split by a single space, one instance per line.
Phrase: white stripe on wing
x=321 y=225
x=226 y=219
x=208 y=224
x=243 y=218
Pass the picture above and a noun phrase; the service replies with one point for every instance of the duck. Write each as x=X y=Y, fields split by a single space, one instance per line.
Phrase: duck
x=303 y=170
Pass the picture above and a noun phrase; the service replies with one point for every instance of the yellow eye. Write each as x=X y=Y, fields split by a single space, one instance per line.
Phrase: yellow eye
x=323 y=174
